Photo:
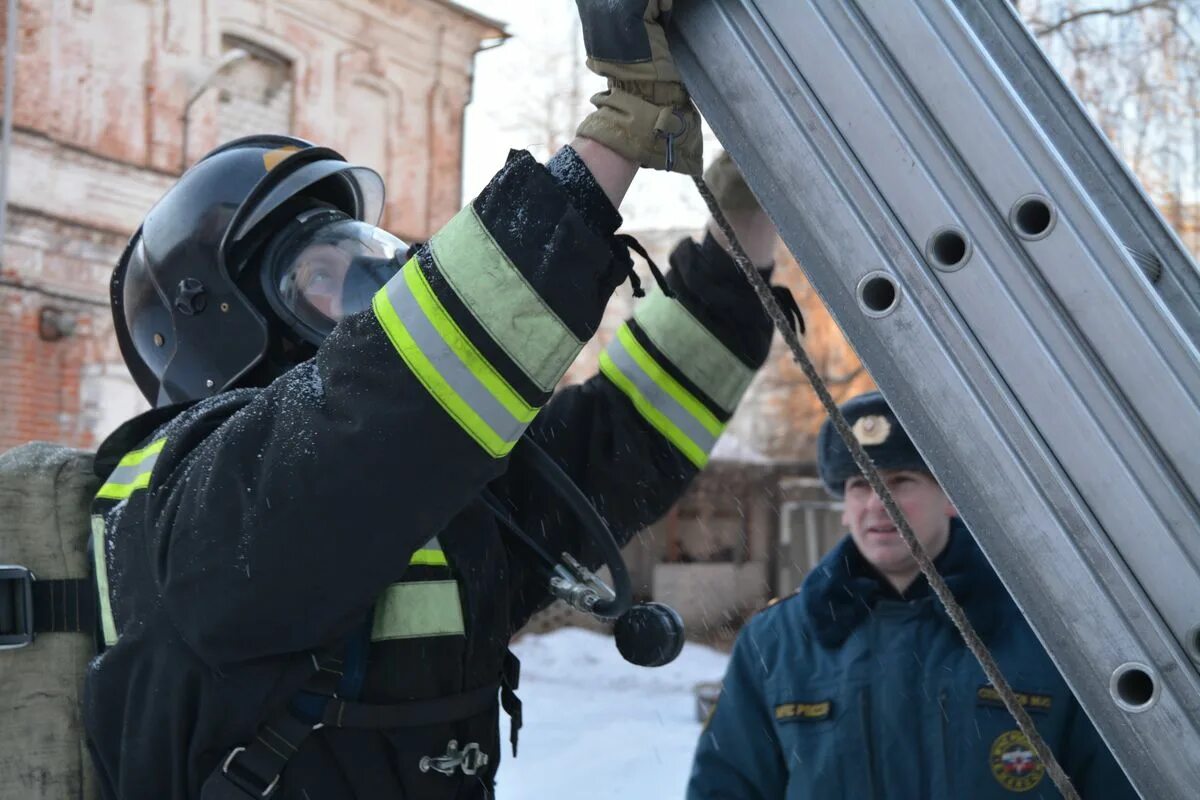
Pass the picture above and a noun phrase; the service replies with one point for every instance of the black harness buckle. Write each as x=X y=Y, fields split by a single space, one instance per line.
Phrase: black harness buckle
x=16 y=607
x=234 y=782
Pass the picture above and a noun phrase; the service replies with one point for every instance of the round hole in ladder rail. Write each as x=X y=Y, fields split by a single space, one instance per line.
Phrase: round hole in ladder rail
x=1134 y=687
x=948 y=249
x=1032 y=217
x=877 y=294
x=1193 y=643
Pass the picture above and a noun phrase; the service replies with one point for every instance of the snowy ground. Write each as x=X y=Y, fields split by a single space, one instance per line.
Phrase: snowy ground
x=599 y=727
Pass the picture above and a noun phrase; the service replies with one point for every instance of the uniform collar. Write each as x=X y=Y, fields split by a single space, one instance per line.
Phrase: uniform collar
x=843 y=588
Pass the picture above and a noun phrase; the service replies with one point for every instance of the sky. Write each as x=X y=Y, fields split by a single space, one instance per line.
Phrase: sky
x=504 y=78
x=510 y=79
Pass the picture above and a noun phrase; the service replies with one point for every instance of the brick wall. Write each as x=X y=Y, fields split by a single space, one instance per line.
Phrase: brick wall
x=56 y=338
x=42 y=379
x=100 y=135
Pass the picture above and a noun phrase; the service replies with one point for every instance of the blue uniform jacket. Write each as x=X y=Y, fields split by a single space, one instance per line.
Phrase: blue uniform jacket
x=846 y=690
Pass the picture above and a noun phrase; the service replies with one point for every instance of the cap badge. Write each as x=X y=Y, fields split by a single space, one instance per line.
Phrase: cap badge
x=872 y=430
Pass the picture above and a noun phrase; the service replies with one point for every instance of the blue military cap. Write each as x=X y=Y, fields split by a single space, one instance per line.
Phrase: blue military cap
x=877 y=430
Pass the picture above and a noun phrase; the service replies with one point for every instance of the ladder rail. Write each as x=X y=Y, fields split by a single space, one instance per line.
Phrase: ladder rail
x=1014 y=379
x=1099 y=341
x=1090 y=155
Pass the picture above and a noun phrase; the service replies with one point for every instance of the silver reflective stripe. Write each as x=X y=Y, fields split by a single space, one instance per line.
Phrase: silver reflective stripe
x=127 y=475
x=693 y=349
x=503 y=302
x=422 y=608
x=664 y=403
x=448 y=364
x=132 y=472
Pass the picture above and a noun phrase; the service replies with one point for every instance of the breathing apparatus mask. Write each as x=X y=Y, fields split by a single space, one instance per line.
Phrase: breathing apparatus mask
x=323 y=267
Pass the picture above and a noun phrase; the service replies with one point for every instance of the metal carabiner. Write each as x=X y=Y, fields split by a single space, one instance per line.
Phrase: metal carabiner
x=470 y=759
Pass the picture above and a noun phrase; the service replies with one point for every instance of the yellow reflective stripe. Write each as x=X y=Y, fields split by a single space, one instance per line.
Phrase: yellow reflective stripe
x=670 y=408
x=429 y=558
x=502 y=300
x=480 y=367
x=448 y=365
x=693 y=349
x=423 y=608
x=108 y=623
x=120 y=491
x=668 y=384
x=430 y=555
x=656 y=418
x=132 y=472
x=136 y=457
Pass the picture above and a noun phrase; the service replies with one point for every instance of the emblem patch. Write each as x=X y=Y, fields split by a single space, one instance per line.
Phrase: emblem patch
x=871 y=430
x=803 y=712
x=1034 y=703
x=1014 y=764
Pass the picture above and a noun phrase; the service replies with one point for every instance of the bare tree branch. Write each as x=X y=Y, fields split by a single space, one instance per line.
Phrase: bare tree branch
x=1068 y=19
x=847 y=377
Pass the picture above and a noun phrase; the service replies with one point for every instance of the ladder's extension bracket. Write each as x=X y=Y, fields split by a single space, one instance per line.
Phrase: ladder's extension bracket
x=1027 y=312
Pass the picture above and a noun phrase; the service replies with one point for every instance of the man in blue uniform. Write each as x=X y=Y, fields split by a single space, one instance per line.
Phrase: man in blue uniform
x=305 y=592
x=859 y=686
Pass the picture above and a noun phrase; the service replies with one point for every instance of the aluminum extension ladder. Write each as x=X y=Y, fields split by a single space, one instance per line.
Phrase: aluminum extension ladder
x=1016 y=296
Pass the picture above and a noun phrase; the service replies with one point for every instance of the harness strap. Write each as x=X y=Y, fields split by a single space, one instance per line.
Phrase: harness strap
x=254 y=770
x=29 y=606
x=414 y=713
x=64 y=605
x=509 y=683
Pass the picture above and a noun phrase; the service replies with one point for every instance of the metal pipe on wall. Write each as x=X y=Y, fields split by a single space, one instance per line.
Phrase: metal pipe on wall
x=10 y=82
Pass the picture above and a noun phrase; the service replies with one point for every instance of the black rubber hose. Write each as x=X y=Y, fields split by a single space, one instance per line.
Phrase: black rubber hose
x=538 y=460
x=505 y=517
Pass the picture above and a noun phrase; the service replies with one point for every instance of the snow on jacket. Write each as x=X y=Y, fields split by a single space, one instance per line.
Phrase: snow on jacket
x=846 y=690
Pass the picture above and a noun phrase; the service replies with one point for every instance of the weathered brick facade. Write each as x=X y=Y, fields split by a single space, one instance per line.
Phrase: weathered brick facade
x=101 y=89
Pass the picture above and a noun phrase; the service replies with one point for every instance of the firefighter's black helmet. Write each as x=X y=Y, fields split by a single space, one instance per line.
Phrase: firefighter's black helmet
x=195 y=300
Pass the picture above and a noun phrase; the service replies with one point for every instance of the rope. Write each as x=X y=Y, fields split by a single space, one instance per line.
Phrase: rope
x=990 y=668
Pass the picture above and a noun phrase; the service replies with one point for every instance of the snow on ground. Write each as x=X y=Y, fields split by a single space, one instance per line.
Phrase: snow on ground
x=599 y=727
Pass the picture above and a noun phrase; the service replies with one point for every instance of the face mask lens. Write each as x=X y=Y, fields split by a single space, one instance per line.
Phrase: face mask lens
x=336 y=272
x=316 y=281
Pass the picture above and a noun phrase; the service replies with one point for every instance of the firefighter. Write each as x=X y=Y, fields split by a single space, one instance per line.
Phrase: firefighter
x=303 y=594
x=859 y=686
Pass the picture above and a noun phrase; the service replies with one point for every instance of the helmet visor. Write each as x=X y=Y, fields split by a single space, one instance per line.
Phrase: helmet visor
x=334 y=273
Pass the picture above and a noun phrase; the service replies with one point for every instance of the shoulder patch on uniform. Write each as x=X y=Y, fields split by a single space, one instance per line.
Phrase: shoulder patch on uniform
x=804 y=712
x=987 y=695
x=774 y=601
x=712 y=710
x=1014 y=764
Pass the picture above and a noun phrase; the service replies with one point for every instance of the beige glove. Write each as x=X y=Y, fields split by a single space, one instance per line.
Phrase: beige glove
x=729 y=187
x=646 y=114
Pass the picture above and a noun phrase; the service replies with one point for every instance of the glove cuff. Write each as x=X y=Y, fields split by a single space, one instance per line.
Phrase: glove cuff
x=661 y=136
